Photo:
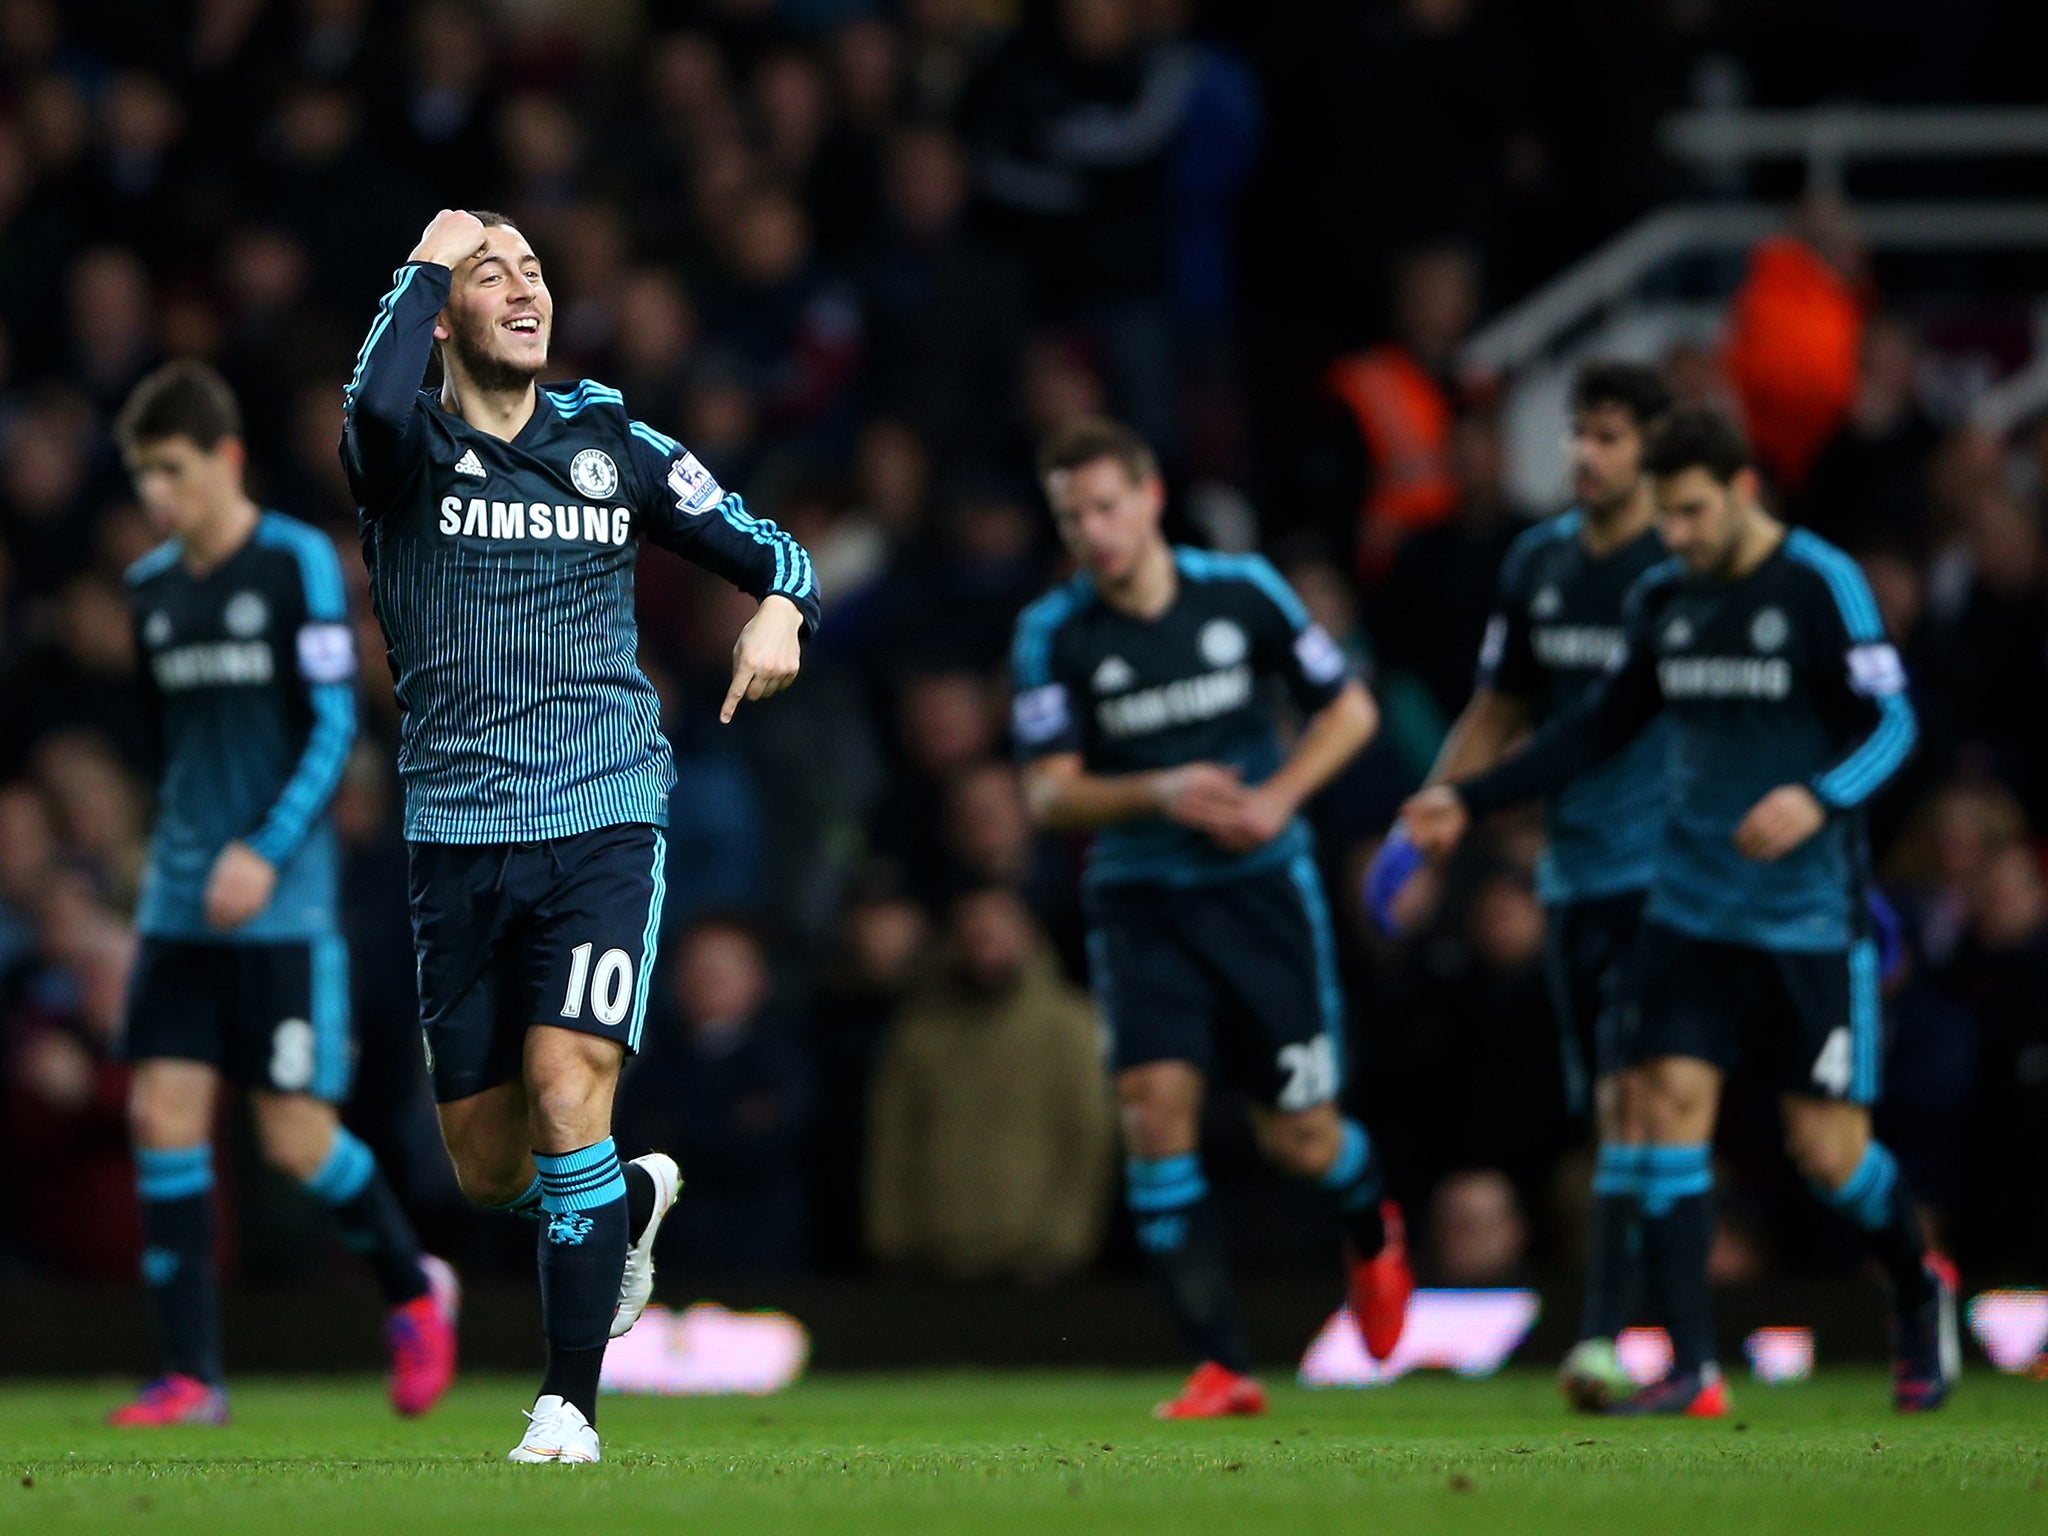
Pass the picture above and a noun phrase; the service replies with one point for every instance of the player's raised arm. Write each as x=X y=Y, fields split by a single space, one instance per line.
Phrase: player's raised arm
x=684 y=509
x=378 y=404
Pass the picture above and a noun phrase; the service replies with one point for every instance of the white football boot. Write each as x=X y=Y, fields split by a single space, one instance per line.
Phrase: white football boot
x=636 y=1285
x=556 y=1431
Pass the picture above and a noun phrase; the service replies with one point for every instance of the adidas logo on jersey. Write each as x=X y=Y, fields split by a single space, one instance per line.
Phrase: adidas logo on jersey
x=470 y=464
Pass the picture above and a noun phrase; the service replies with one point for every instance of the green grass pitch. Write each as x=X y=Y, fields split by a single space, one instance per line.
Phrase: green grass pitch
x=986 y=1455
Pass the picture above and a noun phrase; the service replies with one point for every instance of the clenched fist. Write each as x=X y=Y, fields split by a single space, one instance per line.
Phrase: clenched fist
x=240 y=886
x=451 y=239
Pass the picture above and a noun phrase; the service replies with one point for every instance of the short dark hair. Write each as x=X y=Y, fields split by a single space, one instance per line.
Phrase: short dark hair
x=1697 y=437
x=1639 y=390
x=1097 y=437
x=183 y=398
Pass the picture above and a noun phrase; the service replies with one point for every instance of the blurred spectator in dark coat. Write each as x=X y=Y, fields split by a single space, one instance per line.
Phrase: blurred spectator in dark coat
x=789 y=331
x=28 y=852
x=46 y=469
x=437 y=114
x=1073 y=136
x=721 y=1085
x=946 y=720
x=2000 y=631
x=1868 y=488
x=1431 y=614
x=2001 y=974
x=989 y=1128
x=948 y=315
x=878 y=955
x=63 y=1110
x=1478 y=994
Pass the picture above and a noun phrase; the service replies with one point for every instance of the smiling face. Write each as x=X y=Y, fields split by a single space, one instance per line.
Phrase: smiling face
x=499 y=316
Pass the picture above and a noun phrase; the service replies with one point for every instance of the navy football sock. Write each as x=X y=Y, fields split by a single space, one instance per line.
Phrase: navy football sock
x=177 y=1257
x=1613 y=1241
x=351 y=1184
x=1182 y=1235
x=1353 y=1180
x=582 y=1258
x=1877 y=1200
x=1677 y=1196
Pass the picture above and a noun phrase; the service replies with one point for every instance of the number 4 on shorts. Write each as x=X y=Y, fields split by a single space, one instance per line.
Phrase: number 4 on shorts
x=611 y=984
x=1832 y=1068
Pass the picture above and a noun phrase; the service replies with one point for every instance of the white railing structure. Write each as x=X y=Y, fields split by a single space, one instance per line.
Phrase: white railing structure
x=1718 y=139
x=1617 y=269
x=1537 y=335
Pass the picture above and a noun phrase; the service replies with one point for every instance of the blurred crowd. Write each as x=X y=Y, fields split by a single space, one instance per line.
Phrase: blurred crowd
x=859 y=256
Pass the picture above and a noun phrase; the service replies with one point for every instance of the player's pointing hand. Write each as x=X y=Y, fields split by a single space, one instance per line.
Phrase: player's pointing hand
x=766 y=656
x=452 y=238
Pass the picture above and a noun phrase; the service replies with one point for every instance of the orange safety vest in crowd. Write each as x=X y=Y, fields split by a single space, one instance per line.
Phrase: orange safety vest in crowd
x=1406 y=423
x=1795 y=341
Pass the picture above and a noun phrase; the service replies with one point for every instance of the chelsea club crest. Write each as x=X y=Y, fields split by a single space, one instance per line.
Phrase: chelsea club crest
x=594 y=474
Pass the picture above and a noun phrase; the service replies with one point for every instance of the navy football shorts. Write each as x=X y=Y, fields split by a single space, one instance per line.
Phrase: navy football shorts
x=509 y=935
x=1237 y=977
x=1590 y=962
x=270 y=1015
x=1813 y=1021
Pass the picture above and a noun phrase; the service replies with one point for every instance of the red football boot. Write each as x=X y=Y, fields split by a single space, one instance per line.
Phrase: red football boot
x=173 y=1400
x=1215 y=1392
x=1380 y=1287
x=421 y=1337
x=1704 y=1396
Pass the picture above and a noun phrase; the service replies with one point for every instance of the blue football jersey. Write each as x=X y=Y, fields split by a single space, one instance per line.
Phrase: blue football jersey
x=502 y=574
x=1781 y=676
x=248 y=674
x=1202 y=682
x=1556 y=629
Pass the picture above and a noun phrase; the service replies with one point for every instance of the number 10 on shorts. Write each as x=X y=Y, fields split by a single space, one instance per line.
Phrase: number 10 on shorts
x=610 y=984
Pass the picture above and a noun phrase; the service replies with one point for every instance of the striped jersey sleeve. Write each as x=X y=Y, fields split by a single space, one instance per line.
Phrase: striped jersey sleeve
x=683 y=508
x=1869 y=689
x=324 y=648
x=381 y=438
